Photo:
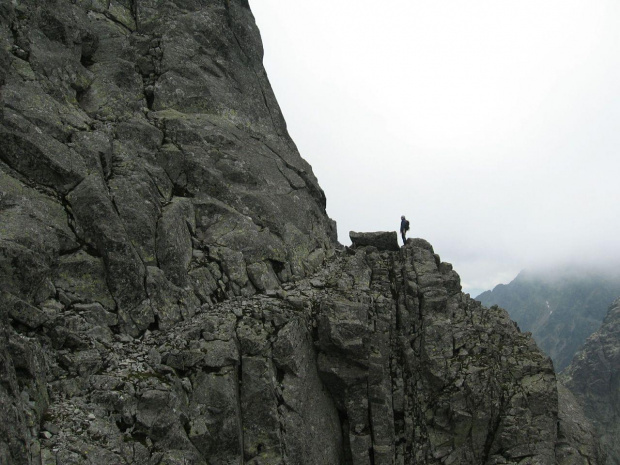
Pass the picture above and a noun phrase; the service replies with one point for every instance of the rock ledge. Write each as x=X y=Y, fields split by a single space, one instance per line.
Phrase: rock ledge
x=382 y=240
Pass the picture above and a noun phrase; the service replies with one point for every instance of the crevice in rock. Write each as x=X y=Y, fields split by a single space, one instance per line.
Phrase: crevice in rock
x=150 y=71
x=280 y=373
x=90 y=249
x=87 y=61
x=123 y=427
x=149 y=96
x=20 y=328
x=318 y=195
x=156 y=184
x=346 y=442
x=277 y=266
x=117 y=22
x=154 y=326
x=105 y=166
x=293 y=188
x=181 y=191
x=17 y=48
x=371 y=455
x=133 y=8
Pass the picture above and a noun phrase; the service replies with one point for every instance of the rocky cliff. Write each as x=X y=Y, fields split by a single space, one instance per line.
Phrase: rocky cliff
x=171 y=290
x=594 y=378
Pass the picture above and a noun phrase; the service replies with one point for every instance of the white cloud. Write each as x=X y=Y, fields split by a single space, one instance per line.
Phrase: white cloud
x=492 y=125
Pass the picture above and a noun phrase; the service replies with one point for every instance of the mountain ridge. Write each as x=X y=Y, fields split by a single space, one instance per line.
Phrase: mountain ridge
x=171 y=287
x=561 y=305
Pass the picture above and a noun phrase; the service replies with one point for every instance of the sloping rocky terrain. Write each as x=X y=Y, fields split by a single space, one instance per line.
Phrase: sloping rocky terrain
x=378 y=358
x=171 y=289
x=560 y=306
x=594 y=378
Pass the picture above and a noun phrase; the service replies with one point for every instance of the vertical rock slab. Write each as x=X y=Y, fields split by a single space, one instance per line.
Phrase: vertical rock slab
x=14 y=436
x=577 y=439
x=310 y=424
x=98 y=221
x=262 y=436
x=593 y=378
x=174 y=240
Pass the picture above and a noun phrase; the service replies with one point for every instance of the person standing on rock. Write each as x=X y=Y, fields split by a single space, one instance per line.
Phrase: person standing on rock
x=404 y=227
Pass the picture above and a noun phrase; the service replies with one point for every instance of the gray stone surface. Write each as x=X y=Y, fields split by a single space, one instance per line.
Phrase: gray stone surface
x=385 y=362
x=578 y=442
x=593 y=378
x=383 y=240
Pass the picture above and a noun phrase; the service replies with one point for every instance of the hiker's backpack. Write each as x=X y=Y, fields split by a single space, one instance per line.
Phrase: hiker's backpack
x=406 y=225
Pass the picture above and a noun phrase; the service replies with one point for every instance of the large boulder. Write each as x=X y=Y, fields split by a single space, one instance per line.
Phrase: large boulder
x=382 y=240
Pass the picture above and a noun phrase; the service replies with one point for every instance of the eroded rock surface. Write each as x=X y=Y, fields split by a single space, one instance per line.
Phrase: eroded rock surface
x=578 y=441
x=145 y=136
x=379 y=358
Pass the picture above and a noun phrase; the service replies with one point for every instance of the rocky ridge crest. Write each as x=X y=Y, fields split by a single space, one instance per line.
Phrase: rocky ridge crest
x=378 y=358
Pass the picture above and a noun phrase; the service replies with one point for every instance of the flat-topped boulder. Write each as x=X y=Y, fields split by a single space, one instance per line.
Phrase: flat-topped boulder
x=382 y=240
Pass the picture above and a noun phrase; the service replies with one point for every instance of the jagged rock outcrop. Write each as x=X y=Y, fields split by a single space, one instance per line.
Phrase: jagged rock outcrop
x=594 y=378
x=560 y=306
x=171 y=289
x=379 y=359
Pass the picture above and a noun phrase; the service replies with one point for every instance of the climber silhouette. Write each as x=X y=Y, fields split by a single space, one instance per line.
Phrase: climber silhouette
x=404 y=227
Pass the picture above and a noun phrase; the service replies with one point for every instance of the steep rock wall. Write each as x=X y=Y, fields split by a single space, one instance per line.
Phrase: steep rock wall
x=594 y=378
x=141 y=142
x=145 y=173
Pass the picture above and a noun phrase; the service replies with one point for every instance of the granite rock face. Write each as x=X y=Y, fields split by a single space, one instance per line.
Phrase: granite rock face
x=383 y=240
x=578 y=441
x=145 y=173
x=142 y=139
x=593 y=377
x=378 y=358
x=171 y=289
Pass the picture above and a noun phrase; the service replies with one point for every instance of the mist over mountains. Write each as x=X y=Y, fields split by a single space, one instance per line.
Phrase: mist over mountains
x=560 y=305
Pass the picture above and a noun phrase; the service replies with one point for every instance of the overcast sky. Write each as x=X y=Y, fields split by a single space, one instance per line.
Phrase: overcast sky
x=493 y=125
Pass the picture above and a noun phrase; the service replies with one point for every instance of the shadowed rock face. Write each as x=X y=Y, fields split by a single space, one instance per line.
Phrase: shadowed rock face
x=378 y=358
x=593 y=377
x=170 y=287
x=142 y=141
